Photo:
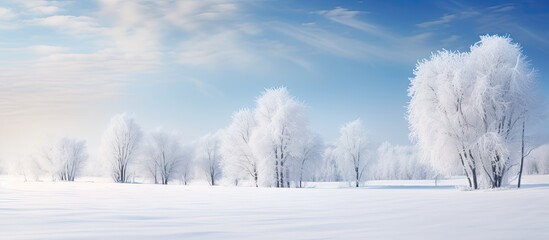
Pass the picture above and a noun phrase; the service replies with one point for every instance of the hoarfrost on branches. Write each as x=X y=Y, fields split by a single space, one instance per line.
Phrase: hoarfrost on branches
x=467 y=110
x=119 y=146
x=351 y=151
x=163 y=156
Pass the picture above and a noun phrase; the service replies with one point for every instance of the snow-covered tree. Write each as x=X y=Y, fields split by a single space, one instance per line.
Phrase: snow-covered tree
x=351 y=151
x=307 y=157
x=208 y=157
x=119 y=146
x=163 y=156
x=328 y=171
x=281 y=128
x=467 y=109
x=30 y=167
x=537 y=160
x=396 y=162
x=239 y=161
x=184 y=173
x=65 y=159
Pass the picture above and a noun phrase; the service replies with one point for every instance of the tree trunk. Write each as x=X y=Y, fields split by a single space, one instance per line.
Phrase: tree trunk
x=301 y=178
x=287 y=177
x=281 y=174
x=255 y=178
x=473 y=170
x=465 y=170
x=357 y=176
x=475 y=182
x=521 y=156
x=277 y=174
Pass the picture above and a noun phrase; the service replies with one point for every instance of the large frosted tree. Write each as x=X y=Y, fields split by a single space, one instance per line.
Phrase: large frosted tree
x=281 y=129
x=467 y=109
x=351 y=151
x=119 y=146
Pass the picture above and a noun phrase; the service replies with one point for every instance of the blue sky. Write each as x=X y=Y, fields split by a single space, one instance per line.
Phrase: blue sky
x=67 y=66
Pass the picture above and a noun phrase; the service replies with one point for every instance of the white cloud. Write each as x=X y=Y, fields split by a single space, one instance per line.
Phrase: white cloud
x=41 y=7
x=324 y=40
x=7 y=14
x=441 y=21
x=451 y=39
x=119 y=41
x=353 y=48
x=126 y=38
x=196 y=15
x=497 y=18
x=48 y=49
x=421 y=37
x=376 y=44
x=206 y=88
x=74 y=24
x=223 y=48
x=502 y=8
x=348 y=18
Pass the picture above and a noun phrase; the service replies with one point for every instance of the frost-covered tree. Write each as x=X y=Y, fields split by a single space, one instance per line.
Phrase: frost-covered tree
x=351 y=151
x=239 y=161
x=184 y=173
x=163 y=156
x=307 y=157
x=119 y=146
x=30 y=167
x=396 y=162
x=328 y=171
x=208 y=158
x=466 y=109
x=281 y=127
x=65 y=159
x=537 y=160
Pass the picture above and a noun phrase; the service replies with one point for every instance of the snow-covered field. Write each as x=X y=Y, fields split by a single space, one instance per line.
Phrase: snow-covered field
x=381 y=210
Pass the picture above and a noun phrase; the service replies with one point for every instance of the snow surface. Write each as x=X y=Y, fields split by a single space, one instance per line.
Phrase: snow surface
x=381 y=210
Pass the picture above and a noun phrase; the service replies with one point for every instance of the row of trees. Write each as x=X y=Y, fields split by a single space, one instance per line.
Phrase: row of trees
x=270 y=145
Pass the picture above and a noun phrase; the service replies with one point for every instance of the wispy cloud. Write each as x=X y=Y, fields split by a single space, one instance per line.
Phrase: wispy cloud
x=195 y=15
x=421 y=37
x=450 y=40
x=48 y=49
x=204 y=87
x=373 y=43
x=333 y=43
x=348 y=18
x=120 y=40
x=214 y=50
x=321 y=39
x=40 y=7
x=442 y=20
x=6 y=13
x=73 y=24
x=61 y=77
x=500 y=18
x=501 y=8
